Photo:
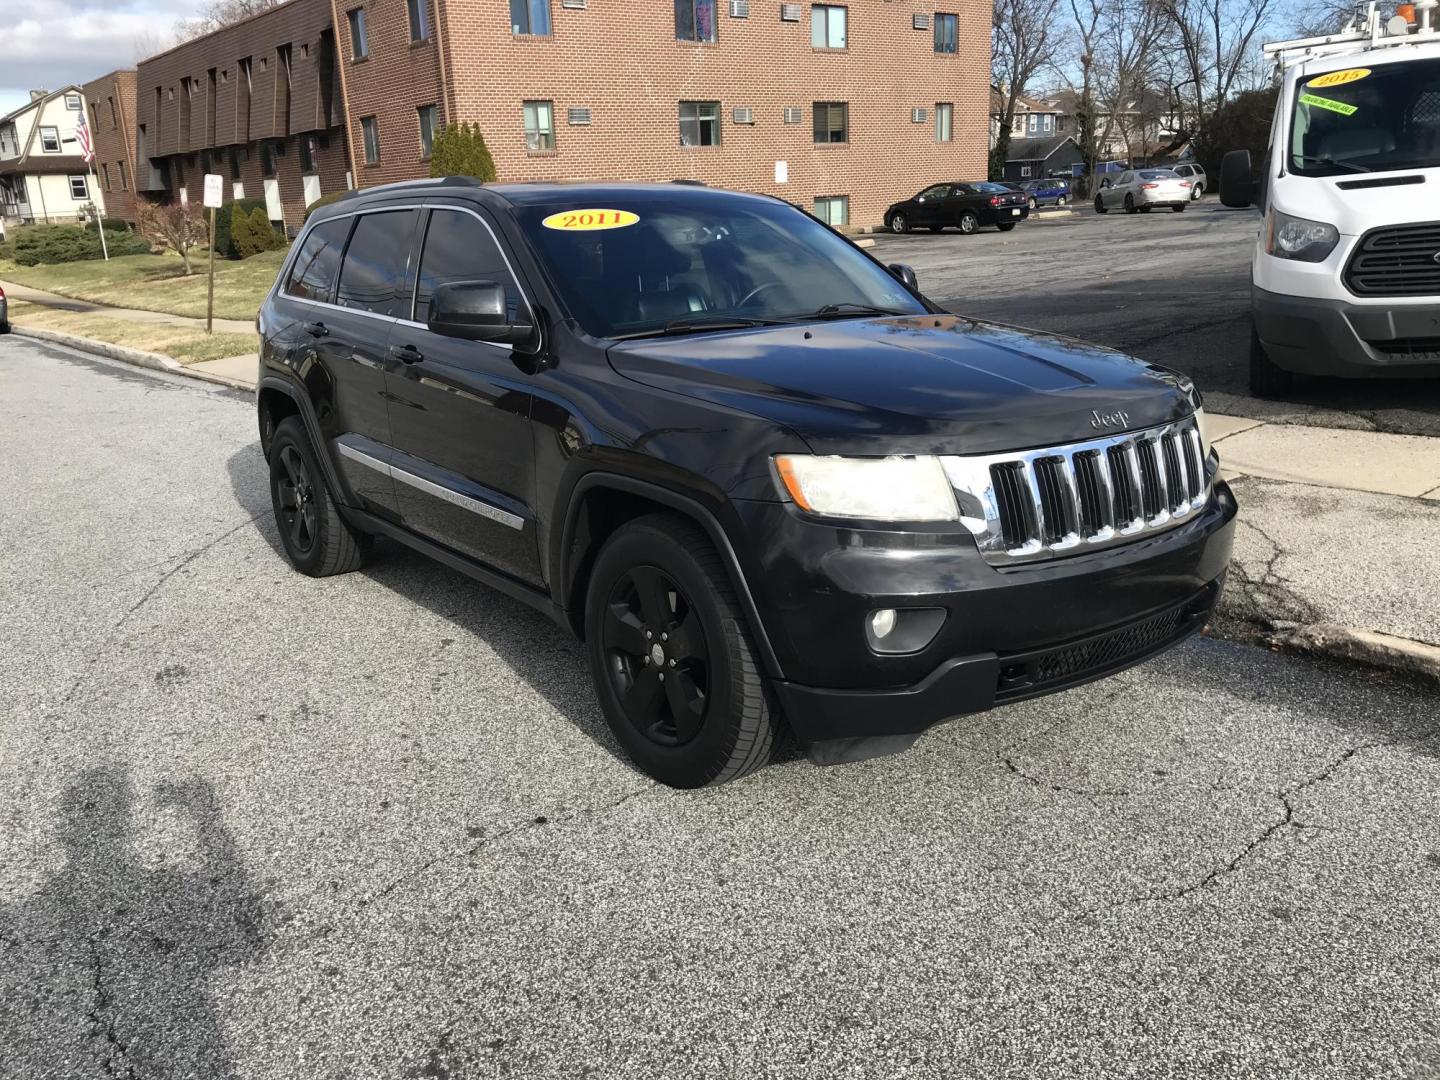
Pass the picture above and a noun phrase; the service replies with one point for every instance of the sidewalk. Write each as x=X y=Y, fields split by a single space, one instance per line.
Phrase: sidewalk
x=85 y=307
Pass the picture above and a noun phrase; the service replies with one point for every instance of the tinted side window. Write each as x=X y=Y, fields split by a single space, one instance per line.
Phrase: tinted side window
x=373 y=277
x=312 y=275
x=458 y=247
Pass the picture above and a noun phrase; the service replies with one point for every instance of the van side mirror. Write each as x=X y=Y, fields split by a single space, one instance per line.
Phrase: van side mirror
x=1237 y=189
x=477 y=311
x=906 y=273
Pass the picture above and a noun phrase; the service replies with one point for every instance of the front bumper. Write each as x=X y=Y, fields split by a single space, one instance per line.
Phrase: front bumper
x=1008 y=633
x=1316 y=336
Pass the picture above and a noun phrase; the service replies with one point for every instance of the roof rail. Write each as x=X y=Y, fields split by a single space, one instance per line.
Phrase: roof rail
x=1365 y=33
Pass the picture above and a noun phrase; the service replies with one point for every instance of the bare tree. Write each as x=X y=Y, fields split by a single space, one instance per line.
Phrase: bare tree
x=219 y=14
x=1088 y=18
x=1216 y=40
x=180 y=228
x=1026 y=38
x=1132 y=42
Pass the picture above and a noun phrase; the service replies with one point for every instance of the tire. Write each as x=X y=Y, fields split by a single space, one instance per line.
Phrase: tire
x=898 y=224
x=1267 y=380
x=659 y=580
x=1061 y=201
x=4 y=327
x=1130 y=206
x=936 y=228
x=1179 y=209
x=318 y=543
x=968 y=222
x=1196 y=190
x=1005 y=226
x=1100 y=207
x=1033 y=204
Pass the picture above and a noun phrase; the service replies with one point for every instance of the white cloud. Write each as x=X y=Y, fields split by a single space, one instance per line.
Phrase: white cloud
x=73 y=41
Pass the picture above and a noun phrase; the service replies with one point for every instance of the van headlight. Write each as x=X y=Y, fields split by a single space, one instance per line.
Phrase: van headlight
x=1300 y=239
x=873 y=489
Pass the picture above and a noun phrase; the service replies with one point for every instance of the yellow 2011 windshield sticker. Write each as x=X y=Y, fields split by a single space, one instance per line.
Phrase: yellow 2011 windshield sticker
x=589 y=220
x=1339 y=78
x=1317 y=102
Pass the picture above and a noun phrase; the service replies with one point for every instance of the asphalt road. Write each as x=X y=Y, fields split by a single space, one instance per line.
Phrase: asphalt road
x=1172 y=288
x=261 y=826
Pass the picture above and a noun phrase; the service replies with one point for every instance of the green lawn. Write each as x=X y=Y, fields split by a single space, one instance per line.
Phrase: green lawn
x=157 y=282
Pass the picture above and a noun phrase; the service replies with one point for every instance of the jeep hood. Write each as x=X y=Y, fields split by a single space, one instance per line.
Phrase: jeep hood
x=913 y=384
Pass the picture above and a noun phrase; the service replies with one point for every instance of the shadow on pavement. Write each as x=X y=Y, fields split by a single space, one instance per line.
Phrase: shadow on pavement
x=111 y=959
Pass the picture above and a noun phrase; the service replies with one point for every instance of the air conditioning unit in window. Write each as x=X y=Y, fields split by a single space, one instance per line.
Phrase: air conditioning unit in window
x=739 y=9
x=743 y=114
x=578 y=117
x=789 y=12
x=920 y=21
x=794 y=115
x=578 y=5
x=917 y=116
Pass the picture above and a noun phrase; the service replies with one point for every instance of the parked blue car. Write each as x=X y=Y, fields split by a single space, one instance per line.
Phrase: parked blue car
x=1047 y=191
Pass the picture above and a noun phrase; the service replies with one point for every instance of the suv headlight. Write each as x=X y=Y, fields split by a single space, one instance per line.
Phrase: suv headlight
x=1203 y=427
x=874 y=489
x=1300 y=239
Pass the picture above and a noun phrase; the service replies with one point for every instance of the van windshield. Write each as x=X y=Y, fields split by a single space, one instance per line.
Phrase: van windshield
x=692 y=261
x=1367 y=119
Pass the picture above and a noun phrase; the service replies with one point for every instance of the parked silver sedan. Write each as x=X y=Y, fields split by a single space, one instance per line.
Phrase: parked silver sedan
x=1141 y=190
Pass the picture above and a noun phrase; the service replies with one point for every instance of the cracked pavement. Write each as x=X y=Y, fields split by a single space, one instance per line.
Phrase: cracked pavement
x=261 y=826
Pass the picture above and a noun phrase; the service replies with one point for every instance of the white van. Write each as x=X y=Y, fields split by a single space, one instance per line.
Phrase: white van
x=1346 y=273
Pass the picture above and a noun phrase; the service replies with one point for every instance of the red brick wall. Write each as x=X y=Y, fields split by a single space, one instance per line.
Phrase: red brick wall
x=113 y=136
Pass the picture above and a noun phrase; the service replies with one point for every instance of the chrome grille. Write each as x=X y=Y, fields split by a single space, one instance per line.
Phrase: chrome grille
x=1039 y=504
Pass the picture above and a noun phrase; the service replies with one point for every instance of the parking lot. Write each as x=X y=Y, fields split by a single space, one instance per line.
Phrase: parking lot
x=259 y=825
x=1172 y=288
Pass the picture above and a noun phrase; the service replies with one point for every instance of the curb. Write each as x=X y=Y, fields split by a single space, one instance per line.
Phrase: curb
x=127 y=355
x=1363 y=647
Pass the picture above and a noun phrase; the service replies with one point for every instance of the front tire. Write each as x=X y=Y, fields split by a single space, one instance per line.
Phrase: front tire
x=1061 y=201
x=898 y=224
x=968 y=222
x=316 y=539
x=672 y=659
x=1267 y=379
x=1100 y=207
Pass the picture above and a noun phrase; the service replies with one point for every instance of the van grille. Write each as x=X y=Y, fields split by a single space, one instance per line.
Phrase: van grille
x=1398 y=260
x=1040 y=504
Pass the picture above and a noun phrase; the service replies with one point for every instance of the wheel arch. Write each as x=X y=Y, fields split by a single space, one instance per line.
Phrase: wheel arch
x=276 y=400
x=601 y=503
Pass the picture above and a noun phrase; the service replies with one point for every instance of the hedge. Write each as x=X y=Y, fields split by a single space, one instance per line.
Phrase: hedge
x=224 y=220
x=34 y=245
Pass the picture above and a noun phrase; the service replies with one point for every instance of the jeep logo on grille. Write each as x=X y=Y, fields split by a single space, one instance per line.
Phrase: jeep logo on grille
x=1119 y=418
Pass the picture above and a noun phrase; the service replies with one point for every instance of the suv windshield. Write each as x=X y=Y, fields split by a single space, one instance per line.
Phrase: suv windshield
x=1367 y=119
x=691 y=261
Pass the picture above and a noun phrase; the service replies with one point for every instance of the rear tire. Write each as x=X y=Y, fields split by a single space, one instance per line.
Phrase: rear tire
x=1267 y=379
x=1130 y=207
x=1061 y=201
x=316 y=539
x=659 y=603
x=1033 y=204
x=1196 y=190
x=968 y=222
x=1179 y=209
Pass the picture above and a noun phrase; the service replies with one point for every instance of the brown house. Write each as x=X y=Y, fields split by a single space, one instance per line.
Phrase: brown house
x=840 y=108
x=110 y=105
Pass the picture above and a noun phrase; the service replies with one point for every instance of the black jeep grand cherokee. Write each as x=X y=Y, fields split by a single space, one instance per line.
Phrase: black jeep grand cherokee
x=763 y=478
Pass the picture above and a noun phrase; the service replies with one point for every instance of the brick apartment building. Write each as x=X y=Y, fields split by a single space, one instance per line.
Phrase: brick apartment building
x=841 y=108
x=110 y=103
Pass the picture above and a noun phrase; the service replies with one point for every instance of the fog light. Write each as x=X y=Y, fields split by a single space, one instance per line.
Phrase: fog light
x=907 y=630
x=882 y=622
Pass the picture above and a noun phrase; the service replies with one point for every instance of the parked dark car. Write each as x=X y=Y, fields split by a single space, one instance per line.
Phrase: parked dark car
x=4 y=313
x=1047 y=191
x=965 y=206
x=770 y=486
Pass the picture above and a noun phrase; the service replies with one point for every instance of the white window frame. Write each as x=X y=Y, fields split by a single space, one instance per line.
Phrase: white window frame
x=82 y=184
x=712 y=110
x=53 y=136
x=74 y=102
x=823 y=24
x=827 y=204
x=944 y=121
x=539 y=126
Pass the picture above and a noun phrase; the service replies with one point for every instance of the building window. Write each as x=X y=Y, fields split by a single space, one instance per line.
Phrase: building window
x=827 y=26
x=105 y=176
x=50 y=140
x=699 y=123
x=694 y=20
x=114 y=119
x=530 y=17
x=308 y=146
x=833 y=210
x=79 y=189
x=539 y=126
x=428 y=119
x=945 y=32
x=359 y=43
x=370 y=130
x=237 y=155
x=72 y=102
x=419 y=19
x=832 y=122
x=267 y=159
x=124 y=180
x=944 y=121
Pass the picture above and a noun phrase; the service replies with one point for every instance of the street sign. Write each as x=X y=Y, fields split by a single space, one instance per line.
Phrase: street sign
x=214 y=189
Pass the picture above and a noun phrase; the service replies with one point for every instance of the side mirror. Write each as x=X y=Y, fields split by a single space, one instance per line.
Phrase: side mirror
x=477 y=311
x=1237 y=189
x=905 y=273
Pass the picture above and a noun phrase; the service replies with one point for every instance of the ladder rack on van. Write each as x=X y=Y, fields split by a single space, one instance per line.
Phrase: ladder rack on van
x=1368 y=32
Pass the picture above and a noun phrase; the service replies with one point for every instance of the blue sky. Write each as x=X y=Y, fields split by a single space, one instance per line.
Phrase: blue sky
x=46 y=44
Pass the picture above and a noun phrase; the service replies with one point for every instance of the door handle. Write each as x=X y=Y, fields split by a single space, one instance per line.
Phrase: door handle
x=406 y=353
x=316 y=329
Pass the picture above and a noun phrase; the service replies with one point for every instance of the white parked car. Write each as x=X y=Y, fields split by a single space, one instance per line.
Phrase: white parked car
x=1199 y=182
x=1141 y=190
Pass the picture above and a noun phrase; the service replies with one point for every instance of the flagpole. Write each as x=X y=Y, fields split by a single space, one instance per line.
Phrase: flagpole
x=89 y=145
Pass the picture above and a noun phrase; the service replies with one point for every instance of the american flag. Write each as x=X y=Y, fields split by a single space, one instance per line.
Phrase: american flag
x=82 y=136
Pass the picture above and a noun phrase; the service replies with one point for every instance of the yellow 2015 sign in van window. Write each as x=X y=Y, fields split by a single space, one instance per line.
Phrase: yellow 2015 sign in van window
x=588 y=220
x=1339 y=78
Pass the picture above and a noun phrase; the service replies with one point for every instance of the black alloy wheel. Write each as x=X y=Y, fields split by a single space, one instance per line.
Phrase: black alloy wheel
x=316 y=539
x=658 y=657
x=295 y=500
